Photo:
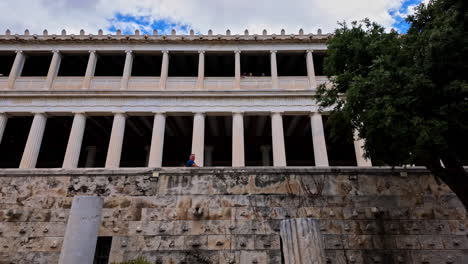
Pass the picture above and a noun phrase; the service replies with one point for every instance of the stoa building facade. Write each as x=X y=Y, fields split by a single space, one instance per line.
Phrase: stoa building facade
x=95 y=131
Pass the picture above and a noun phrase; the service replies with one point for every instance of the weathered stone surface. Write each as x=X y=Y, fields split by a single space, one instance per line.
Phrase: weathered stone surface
x=233 y=215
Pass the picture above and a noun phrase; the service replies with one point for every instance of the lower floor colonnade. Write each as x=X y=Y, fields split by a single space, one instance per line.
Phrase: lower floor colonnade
x=216 y=139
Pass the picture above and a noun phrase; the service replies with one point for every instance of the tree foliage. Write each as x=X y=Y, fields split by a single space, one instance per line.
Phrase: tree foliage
x=407 y=95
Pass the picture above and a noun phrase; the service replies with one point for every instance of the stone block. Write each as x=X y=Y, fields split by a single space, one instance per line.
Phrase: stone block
x=254 y=257
x=431 y=242
x=219 y=242
x=407 y=242
x=267 y=242
x=243 y=242
x=455 y=242
x=196 y=242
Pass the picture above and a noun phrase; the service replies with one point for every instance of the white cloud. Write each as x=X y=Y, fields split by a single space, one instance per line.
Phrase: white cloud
x=201 y=15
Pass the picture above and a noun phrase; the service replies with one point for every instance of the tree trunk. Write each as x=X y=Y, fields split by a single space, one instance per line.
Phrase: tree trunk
x=454 y=175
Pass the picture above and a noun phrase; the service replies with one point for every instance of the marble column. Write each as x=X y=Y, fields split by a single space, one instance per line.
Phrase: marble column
x=33 y=143
x=198 y=139
x=208 y=156
x=3 y=123
x=90 y=156
x=16 y=69
x=90 y=68
x=164 y=70
x=279 y=152
x=116 y=140
x=238 y=158
x=311 y=70
x=359 y=150
x=265 y=155
x=274 y=70
x=237 y=69
x=72 y=154
x=318 y=140
x=157 y=141
x=53 y=69
x=79 y=242
x=127 y=72
x=201 y=69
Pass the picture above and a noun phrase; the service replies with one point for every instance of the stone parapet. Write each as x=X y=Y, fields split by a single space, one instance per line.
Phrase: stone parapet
x=233 y=215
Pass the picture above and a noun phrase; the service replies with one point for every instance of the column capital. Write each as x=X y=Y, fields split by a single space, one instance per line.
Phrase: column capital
x=159 y=112
x=315 y=113
x=199 y=113
x=40 y=113
x=238 y=113
x=237 y=51
x=79 y=113
x=164 y=51
x=92 y=51
x=124 y=114
x=201 y=51
x=310 y=51
x=273 y=51
x=56 y=51
x=265 y=147
x=277 y=112
x=19 y=51
x=129 y=51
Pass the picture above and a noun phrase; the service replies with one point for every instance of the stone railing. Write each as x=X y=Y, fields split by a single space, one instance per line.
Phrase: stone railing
x=67 y=83
x=219 y=83
x=294 y=83
x=106 y=83
x=3 y=83
x=30 y=83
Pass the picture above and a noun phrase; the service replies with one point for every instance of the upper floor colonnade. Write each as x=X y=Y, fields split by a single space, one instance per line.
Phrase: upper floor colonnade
x=162 y=70
x=201 y=132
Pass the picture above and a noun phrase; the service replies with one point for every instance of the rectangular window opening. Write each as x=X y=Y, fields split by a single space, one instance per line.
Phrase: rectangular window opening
x=6 y=63
x=340 y=146
x=298 y=140
x=218 y=141
x=219 y=64
x=137 y=141
x=177 y=140
x=103 y=248
x=110 y=64
x=257 y=141
x=54 y=142
x=14 y=140
x=183 y=65
x=95 y=141
x=291 y=64
x=72 y=64
x=36 y=64
x=147 y=64
x=255 y=64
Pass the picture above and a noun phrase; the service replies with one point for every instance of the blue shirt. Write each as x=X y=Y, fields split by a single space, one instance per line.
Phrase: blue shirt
x=189 y=163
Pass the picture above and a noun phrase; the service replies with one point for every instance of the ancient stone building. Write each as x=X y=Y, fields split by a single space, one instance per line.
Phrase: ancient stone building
x=95 y=130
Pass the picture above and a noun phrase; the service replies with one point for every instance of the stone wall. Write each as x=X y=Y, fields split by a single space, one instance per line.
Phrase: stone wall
x=374 y=215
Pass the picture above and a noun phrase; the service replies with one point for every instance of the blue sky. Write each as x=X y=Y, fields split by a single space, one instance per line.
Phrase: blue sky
x=200 y=15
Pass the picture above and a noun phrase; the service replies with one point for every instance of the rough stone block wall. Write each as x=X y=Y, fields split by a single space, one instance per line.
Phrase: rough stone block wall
x=373 y=215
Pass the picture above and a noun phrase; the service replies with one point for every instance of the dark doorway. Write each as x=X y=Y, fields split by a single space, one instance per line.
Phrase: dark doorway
x=73 y=64
x=298 y=141
x=54 y=142
x=36 y=64
x=291 y=64
x=147 y=64
x=218 y=141
x=110 y=64
x=183 y=65
x=103 y=248
x=14 y=140
x=6 y=62
x=340 y=146
x=219 y=64
x=257 y=141
x=95 y=141
x=255 y=64
x=177 y=140
x=137 y=141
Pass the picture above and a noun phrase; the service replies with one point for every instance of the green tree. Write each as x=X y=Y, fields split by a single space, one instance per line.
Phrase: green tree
x=407 y=95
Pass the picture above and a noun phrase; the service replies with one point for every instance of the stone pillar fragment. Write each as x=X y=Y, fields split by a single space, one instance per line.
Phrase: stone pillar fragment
x=114 y=151
x=274 y=70
x=53 y=69
x=237 y=69
x=238 y=156
x=359 y=150
x=164 y=70
x=16 y=69
x=33 y=143
x=157 y=141
x=208 y=156
x=198 y=139
x=302 y=241
x=318 y=140
x=90 y=69
x=81 y=235
x=72 y=154
x=3 y=123
x=127 y=72
x=201 y=69
x=279 y=152
x=310 y=69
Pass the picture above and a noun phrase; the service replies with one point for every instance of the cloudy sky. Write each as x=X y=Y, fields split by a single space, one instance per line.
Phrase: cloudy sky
x=200 y=15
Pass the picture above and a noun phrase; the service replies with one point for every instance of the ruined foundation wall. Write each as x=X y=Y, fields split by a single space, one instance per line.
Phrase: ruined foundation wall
x=373 y=215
